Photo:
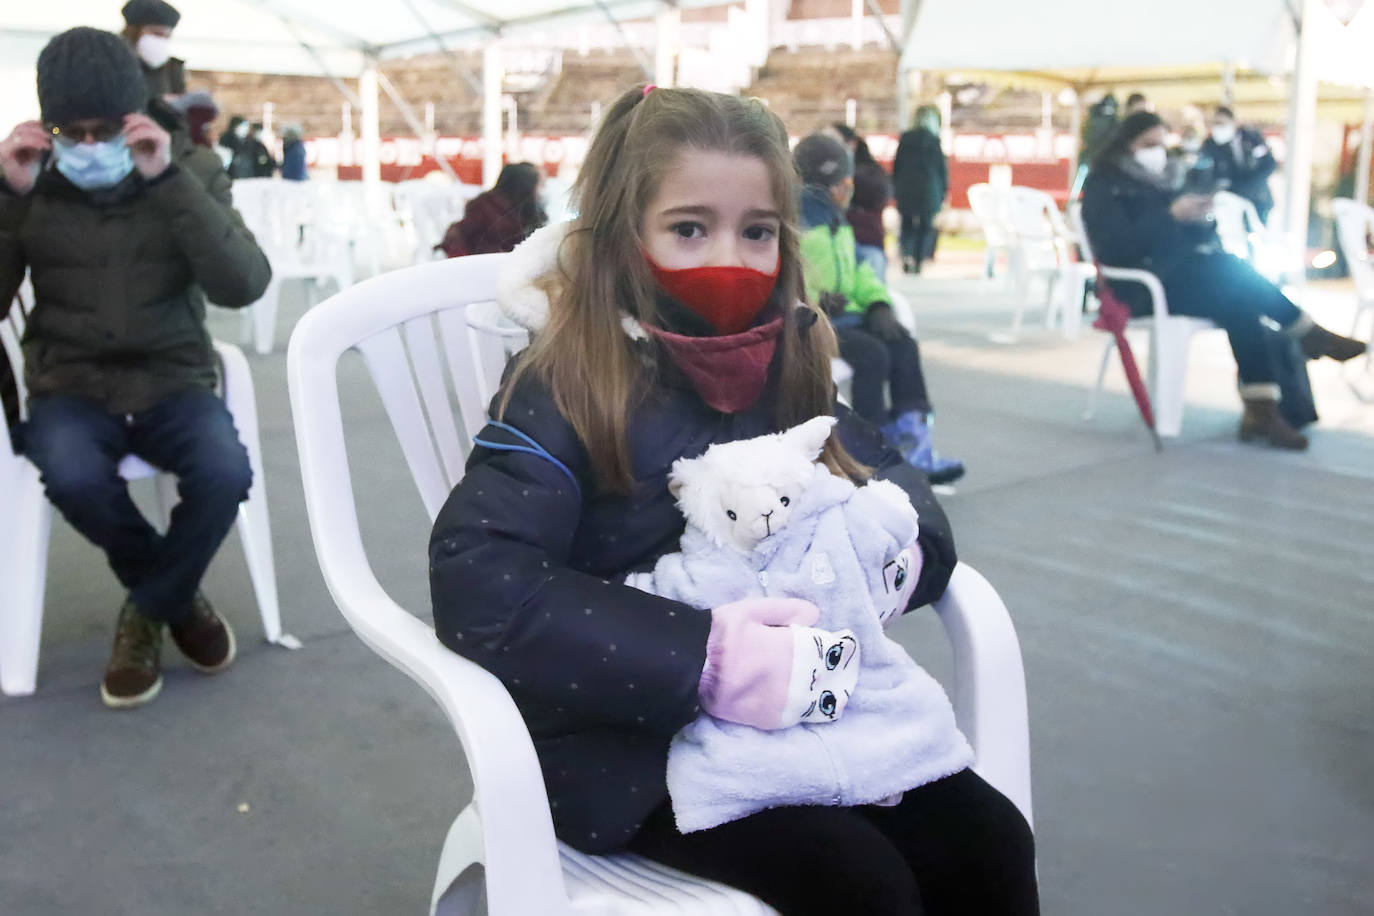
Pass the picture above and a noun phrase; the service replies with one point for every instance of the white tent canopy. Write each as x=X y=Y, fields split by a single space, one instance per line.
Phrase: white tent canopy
x=314 y=38
x=1084 y=35
x=311 y=37
x=1074 y=37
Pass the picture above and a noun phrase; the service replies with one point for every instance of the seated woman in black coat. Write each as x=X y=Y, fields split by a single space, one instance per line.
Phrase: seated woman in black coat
x=1135 y=218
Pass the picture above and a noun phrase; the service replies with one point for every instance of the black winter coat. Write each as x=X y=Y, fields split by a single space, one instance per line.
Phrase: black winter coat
x=920 y=173
x=1242 y=167
x=526 y=570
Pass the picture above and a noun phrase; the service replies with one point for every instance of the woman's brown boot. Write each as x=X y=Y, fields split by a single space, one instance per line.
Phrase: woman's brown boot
x=1316 y=341
x=1262 y=421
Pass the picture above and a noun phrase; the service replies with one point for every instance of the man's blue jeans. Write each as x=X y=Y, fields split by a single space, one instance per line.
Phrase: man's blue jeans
x=77 y=446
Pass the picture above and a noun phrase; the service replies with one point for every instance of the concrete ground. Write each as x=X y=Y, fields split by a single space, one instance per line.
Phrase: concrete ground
x=1197 y=625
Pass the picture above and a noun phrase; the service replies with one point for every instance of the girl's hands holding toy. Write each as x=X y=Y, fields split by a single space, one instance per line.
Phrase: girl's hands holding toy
x=766 y=667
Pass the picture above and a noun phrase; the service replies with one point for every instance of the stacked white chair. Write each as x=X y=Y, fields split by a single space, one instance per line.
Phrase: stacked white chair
x=990 y=207
x=1041 y=247
x=419 y=331
x=1354 y=230
x=1171 y=338
x=24 y=536
x=296 y=234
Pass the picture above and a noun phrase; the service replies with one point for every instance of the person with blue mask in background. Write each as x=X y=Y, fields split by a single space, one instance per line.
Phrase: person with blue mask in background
x=125 y=228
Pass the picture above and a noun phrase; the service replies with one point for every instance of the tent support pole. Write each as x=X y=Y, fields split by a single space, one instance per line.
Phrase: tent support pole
x=370 y=129
x=667 y=39
x=1076 y=132
x=493 y=75
x=1366 y=140
x=409 y=114
x=1302 y=123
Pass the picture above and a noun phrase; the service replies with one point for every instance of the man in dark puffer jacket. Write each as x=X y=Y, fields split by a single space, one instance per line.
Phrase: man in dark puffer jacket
x=125 y=228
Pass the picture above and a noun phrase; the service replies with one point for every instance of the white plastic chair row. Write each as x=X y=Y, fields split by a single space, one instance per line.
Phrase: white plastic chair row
x=303 y=239
x=428 y=208
x=1354 y=230
x=24 y=536
x=1170 y=340
x=990 y=207
x=416 y=341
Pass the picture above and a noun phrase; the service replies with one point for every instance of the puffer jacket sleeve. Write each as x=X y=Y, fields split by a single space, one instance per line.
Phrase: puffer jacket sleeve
x=225 y=259
x=603 y=653
x=1123 y=228
x=866 y=444
x=13 y=209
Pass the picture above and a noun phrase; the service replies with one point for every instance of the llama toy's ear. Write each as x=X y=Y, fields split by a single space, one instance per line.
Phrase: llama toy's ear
x=682 y=473
x=809 y=438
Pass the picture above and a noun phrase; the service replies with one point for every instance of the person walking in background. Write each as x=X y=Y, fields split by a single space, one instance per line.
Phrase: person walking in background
x=230 y=142
x=1240 y=160
x=292 y=154
x=500 y=218
x=252 y=159
x=920 y=178
x=126 y=228
x=1136 y=219
x=1136 y=101
x=872 y=191
x=148 y=26
x=881 y=352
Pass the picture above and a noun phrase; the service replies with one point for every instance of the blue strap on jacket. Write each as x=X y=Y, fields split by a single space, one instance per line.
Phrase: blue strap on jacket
x=530 y=448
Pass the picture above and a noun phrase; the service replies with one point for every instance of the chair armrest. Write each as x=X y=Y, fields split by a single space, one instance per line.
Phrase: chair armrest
x=520 y=853
x=989 y=683
x=1143 y=277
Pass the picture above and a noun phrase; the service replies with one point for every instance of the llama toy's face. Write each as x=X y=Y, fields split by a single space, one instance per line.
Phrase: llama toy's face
x=742 y=493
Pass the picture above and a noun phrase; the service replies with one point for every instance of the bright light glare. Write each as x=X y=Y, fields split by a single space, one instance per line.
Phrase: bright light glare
x=1323 y=259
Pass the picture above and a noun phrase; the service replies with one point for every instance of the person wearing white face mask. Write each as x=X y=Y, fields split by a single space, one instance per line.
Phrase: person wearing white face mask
x=148 y=26
x=1135 y=218
x=1241 y=160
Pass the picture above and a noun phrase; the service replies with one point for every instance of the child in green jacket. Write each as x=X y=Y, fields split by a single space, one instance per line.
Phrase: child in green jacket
x=872 y=340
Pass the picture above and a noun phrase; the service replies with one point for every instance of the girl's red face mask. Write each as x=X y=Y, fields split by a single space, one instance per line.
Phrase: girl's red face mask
x=730 y=298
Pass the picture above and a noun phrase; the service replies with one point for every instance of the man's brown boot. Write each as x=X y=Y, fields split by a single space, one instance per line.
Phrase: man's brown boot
x=134 y=675
x=1316 y=341
x=204 y=637
x=1262 y=420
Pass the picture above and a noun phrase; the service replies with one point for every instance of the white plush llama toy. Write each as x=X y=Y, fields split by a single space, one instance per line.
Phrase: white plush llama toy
x=765 y=519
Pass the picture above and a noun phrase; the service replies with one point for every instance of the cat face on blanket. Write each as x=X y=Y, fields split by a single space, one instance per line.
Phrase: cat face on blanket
x=823 y=676
x=740 y=493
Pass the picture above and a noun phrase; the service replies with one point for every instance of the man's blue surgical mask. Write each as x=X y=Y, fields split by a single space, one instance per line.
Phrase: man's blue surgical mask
x=94 y=166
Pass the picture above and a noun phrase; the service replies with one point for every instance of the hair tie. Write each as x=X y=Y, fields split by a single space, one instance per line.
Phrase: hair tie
x=807 y=320
x=648 y=89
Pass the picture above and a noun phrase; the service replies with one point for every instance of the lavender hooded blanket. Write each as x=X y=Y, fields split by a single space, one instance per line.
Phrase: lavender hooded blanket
x=840 y=547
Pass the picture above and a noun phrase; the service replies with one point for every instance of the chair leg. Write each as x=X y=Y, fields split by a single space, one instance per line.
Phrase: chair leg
x=462 y=850
x=265 y=317
x=23 y=581
x=255 y=529
x=1091 y=409
x=1169 y=361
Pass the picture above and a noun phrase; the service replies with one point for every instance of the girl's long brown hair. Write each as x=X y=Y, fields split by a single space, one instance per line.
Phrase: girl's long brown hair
x=583 y=355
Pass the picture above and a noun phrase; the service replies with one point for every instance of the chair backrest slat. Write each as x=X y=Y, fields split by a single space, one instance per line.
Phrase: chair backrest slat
x=458 y=349
x=429 y=375
x=385 y=355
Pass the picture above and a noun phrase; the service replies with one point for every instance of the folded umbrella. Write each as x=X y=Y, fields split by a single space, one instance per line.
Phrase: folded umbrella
x=1112 y=316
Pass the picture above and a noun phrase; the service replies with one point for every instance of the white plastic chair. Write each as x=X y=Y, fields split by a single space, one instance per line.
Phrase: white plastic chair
x=401 y=323
x=989 y=206
x=1171 y=336
x=1041 y=248
x=1354 y=225
x=279 y=213
x=24 y=536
